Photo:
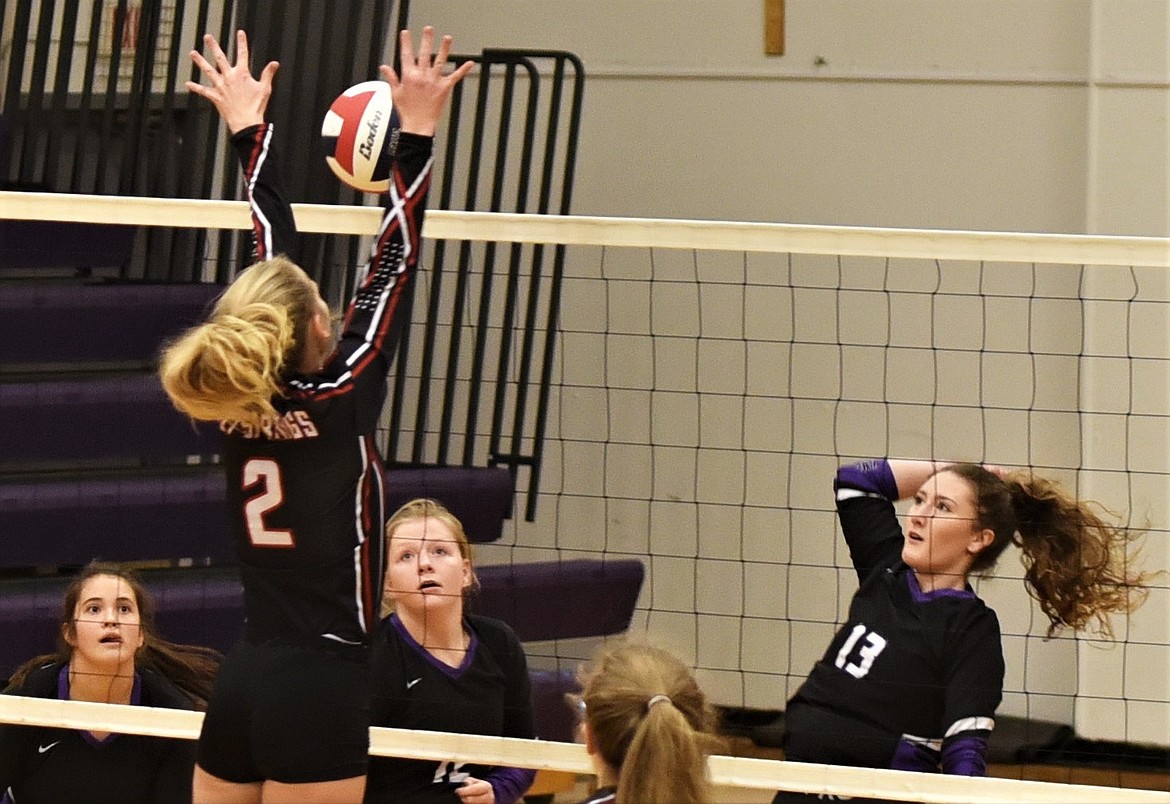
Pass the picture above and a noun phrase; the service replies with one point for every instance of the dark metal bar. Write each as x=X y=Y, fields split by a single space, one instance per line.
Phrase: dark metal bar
x=85 y=104
x=397 y=414
x=17 y=55
x=163 y=177
x=109 y=107
x=553 y=318
x=54 y=154
x=460 y=294
x=32 y=166
x=482 y=327
x=133 y=143
x=514 y=268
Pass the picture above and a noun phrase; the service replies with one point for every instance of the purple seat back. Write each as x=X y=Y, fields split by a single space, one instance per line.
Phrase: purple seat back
x=561 y=599
x=479 y=497
x=65 y=244
x=162 y=517
x=73 y=324
x=99 y=419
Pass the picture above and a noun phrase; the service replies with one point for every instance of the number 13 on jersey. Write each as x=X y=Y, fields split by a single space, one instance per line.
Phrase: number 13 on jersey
x=264 y=474
x=868 y=651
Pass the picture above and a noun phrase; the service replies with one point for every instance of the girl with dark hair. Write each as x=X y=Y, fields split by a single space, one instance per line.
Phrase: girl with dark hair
x=913 y=678
x=108 y=652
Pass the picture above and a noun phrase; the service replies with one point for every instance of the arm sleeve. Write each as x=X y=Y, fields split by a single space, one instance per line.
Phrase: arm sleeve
x=378 y=315
x=974 y=690
x=510 y=784
x=865 y=494
x=273 y=229
x=965 y=754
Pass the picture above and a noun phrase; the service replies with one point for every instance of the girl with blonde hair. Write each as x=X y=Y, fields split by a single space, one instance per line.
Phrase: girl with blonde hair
x=648 y=727
x=289 y=715
x=436 y=667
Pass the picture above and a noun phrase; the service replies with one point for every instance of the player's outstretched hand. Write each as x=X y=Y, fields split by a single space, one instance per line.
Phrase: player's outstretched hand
x=239 y=98
x=420 y=93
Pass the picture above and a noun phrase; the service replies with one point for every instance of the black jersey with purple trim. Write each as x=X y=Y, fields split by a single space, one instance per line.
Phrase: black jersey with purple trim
x=919 y=674
x=42 y=764
x=306 y=496
x=489 y=694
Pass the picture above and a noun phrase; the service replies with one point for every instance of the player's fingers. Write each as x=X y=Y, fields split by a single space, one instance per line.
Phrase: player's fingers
x=243 y=58
x=203 y=64
x=444 y=50
x=389 y=75
x=460 y=71
x=269 y=72
x=424 y=46
x=217 y=54
x=406 y=47
x=201 y=91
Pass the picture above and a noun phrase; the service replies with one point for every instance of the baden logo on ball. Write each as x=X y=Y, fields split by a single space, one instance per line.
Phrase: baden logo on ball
x=356 y=130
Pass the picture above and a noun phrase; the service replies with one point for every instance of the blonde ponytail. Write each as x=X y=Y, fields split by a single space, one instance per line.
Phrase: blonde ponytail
x=230 y=367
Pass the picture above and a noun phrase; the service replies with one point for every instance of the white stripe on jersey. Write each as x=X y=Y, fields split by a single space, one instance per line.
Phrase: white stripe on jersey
x=850 y=494
x=265 y=226
x=935 y=745
x=971 y=724
x=396 y=212
x=359 y=510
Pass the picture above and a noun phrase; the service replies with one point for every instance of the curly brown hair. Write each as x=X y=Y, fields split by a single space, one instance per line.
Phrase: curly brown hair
x=1077 y=562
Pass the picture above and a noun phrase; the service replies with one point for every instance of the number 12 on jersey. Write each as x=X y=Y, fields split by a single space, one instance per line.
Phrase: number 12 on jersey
x=264 y=473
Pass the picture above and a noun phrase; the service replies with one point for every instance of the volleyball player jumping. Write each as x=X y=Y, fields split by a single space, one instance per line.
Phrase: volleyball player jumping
x=289 y=715
x=913 y=678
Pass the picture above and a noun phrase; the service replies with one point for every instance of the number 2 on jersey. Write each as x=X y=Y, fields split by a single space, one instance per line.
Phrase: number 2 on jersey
x=264 y=471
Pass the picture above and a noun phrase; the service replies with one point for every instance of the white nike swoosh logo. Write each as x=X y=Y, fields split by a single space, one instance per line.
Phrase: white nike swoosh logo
x=410 y=684
x=43 y=748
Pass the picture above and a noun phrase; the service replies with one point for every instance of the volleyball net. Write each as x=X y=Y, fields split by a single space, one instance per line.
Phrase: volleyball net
x=706 y=380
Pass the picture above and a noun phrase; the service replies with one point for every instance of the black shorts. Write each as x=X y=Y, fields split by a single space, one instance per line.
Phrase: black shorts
x=288 y=714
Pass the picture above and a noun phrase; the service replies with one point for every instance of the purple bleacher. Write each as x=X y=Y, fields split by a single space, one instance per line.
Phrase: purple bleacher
x=479 y=497
x=552 y=718
x=198 y=606
x=99 y=419
x=560 y=600
x=65 y=244
x=73 y=324
x=571 y=599
x=123 y=518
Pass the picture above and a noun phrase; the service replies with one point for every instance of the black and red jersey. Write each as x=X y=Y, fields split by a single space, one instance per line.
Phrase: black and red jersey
x=306 y=496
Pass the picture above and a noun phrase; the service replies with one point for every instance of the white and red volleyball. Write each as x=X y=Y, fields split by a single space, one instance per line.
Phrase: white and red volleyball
x=355 y=132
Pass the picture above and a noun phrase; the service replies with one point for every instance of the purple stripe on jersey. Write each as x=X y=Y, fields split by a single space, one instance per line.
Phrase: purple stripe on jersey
x=965 y=754
x=509 y=784
x=874 y=477
x=453 y=672
x=918 y=596
x=63 y=695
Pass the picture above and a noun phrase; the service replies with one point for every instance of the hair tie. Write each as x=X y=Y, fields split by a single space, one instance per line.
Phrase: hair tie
x=657 y=699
